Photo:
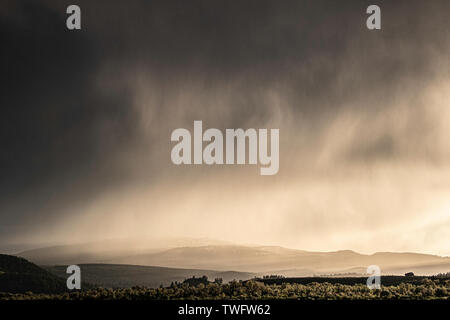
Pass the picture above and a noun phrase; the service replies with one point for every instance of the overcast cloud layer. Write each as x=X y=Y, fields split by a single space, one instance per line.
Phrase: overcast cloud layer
x=364 y=117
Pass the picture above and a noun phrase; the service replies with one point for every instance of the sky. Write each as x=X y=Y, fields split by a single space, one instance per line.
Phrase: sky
x=86 y=119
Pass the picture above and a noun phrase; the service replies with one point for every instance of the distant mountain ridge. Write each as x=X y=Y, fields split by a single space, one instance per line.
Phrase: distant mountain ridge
x=104 y=251
x=275 y=259
x=210 y=255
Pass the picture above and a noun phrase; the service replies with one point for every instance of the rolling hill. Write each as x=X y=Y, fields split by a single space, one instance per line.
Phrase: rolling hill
x=126 y=276
x=17 y=275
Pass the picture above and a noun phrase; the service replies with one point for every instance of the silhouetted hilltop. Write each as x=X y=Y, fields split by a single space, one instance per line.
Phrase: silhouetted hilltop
x=17 y=275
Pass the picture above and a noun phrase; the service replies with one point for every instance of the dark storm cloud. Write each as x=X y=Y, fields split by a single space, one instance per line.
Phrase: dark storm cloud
x=383 y=147
x=57 y=130
x=68 y=107
x=317 y=54
x=302 y=45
